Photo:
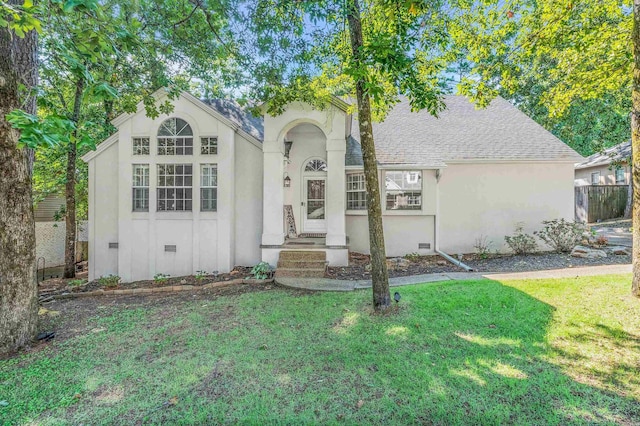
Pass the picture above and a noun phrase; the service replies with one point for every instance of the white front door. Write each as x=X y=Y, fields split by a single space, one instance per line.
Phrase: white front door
x=313 y=206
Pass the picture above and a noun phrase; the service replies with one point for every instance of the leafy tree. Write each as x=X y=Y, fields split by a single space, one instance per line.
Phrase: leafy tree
x=18 y=78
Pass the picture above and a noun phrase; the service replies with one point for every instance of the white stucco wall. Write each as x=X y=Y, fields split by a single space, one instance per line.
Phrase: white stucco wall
x=490 y=199
x=204 y=240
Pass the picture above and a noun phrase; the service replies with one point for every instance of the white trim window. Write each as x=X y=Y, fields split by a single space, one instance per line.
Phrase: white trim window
x=403 y=190
x=175 y=137
x=209 y=145
x=356 y=192
x=140 y=146
x=595 y=178
x=175 y=187
x=208 y=187
x=620 y=177
x=140 y=188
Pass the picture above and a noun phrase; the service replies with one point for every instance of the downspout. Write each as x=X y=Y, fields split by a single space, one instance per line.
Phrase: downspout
x=437 y=227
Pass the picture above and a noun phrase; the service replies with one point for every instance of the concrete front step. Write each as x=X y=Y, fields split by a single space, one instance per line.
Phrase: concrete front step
x=300 y=272
x=303 y=255
x=301 y=264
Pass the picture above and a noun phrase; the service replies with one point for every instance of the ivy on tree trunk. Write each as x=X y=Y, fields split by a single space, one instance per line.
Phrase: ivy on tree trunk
x=379 y=273
x=18 y=288
x=635 y=148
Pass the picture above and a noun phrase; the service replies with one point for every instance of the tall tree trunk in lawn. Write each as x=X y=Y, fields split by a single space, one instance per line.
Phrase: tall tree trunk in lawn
x=18 y=288
x=628 y=208
x=635 y=148
x=379 y=273
x=70 y=190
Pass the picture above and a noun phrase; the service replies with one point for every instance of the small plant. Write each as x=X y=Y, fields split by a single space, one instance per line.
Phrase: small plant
x=201 y=275
x=520 y=242
x=482 y=246
x=161 y=278
x=261 y=271
x=412 y=257
x=601 y=241
x=109 y=281
x=76 y=283
x=561 y=235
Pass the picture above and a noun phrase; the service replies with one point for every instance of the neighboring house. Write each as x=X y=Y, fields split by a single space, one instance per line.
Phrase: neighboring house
x=209 y=187
x=609 y=167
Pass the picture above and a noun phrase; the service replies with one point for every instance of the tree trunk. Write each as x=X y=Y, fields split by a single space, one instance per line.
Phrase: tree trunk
x=628 y=208
x=18 y=288
x=379 y=273
x=635 y=148
x=70 y=190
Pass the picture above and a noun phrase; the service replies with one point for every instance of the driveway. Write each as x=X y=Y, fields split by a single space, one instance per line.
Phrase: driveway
x=618 y=232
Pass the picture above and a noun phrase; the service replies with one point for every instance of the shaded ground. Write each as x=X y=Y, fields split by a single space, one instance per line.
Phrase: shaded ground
x=476 y=352
x=617 y=232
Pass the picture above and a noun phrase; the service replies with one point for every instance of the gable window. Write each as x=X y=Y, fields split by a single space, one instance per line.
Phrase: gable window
x=595 y=178
x=209 y=187
x=140 y=146
x=175 y=137
x=356 y=192
x=175 y=185
x=140 y=190
x=620 y=178
x=316 y=166
x=403 y=190
x=208 y=146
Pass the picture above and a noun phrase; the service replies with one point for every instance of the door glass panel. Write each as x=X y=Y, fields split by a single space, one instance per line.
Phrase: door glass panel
x=315 y=198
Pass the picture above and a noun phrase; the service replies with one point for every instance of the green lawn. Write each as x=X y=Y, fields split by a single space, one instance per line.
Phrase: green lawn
x=476 y=352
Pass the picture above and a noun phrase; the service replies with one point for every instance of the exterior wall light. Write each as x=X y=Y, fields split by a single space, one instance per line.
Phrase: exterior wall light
x=287 y=181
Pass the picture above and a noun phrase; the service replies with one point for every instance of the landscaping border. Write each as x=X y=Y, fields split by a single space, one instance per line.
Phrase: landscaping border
x=167 y=289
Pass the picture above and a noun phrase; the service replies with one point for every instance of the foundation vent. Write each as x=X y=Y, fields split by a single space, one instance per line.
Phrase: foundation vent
x=170 y=249
x=424 y=246
x=113 y=245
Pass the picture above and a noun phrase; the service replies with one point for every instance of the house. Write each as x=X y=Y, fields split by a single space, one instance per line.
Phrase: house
x=609 y=167
x=208 y=186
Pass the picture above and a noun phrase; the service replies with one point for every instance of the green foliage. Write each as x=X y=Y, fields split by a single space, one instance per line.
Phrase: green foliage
x=561 y=235
x=520 y=242
x=482 y=246
x=109 y=281
x=413 y=257
x=262 y=271
x=161 y=278
x=201 y=275
x=20 y=19
x=76 y=283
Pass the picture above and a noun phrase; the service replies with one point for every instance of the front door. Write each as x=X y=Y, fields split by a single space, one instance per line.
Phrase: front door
x=313 y=206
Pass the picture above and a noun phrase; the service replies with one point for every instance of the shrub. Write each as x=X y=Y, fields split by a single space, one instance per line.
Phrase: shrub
x=602 y=240
x=520 y=242
x=201 y=275
x=109 y=280
x=261 y=271
x=76 y=283
x=482 y=246
x=412 y=257
x=561 y=235
x=161 y=278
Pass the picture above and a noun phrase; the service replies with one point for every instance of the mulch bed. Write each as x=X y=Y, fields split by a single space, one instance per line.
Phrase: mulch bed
x=58 y=286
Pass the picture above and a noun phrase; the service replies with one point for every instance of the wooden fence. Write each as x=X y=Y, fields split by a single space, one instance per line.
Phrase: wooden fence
x=600 y=202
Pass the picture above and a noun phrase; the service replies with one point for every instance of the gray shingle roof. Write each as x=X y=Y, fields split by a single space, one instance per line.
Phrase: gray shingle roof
x=236 y=113
x=620 y=152
x=462 y=132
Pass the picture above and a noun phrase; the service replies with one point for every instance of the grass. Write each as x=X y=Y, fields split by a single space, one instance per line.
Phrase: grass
x=476 y=352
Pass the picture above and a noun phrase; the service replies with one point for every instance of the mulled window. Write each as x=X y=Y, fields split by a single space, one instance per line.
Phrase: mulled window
x=403 y=190
x=356 y=192
x=175 y=187
x=175 y=137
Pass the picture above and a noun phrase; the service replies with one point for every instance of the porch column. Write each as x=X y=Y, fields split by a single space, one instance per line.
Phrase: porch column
x=336 y=205
x=273 y=194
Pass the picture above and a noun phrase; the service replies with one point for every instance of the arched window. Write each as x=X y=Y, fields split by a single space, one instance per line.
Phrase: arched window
x=316 y=166
x=175 y=137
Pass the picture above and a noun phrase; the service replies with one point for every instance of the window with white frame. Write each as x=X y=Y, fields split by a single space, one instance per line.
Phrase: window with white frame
x=140 y=146
x=175 y=137
x=403 y=190
x=209 y=187
x=175 y=185
x=140 y=188
x=620 y=178
x=356 y=192
x=208 y=145
x=595 y=178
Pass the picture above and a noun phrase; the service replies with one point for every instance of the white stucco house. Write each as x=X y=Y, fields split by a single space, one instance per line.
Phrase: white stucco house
x=208 y=186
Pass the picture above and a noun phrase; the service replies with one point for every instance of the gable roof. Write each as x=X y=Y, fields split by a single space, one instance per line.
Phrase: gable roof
x=620 y=152
x=233 y=111
x=500 y=132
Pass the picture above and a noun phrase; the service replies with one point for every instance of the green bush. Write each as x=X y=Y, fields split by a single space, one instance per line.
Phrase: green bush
x=109 y=280
x=201 y=275
x=561 y=235
x=161 y=278
x=482 y=247
x=261 y=271
x=520 y=242
x=76 y=283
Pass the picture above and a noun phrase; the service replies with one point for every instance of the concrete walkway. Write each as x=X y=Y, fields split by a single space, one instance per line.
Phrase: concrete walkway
x=327 y=284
